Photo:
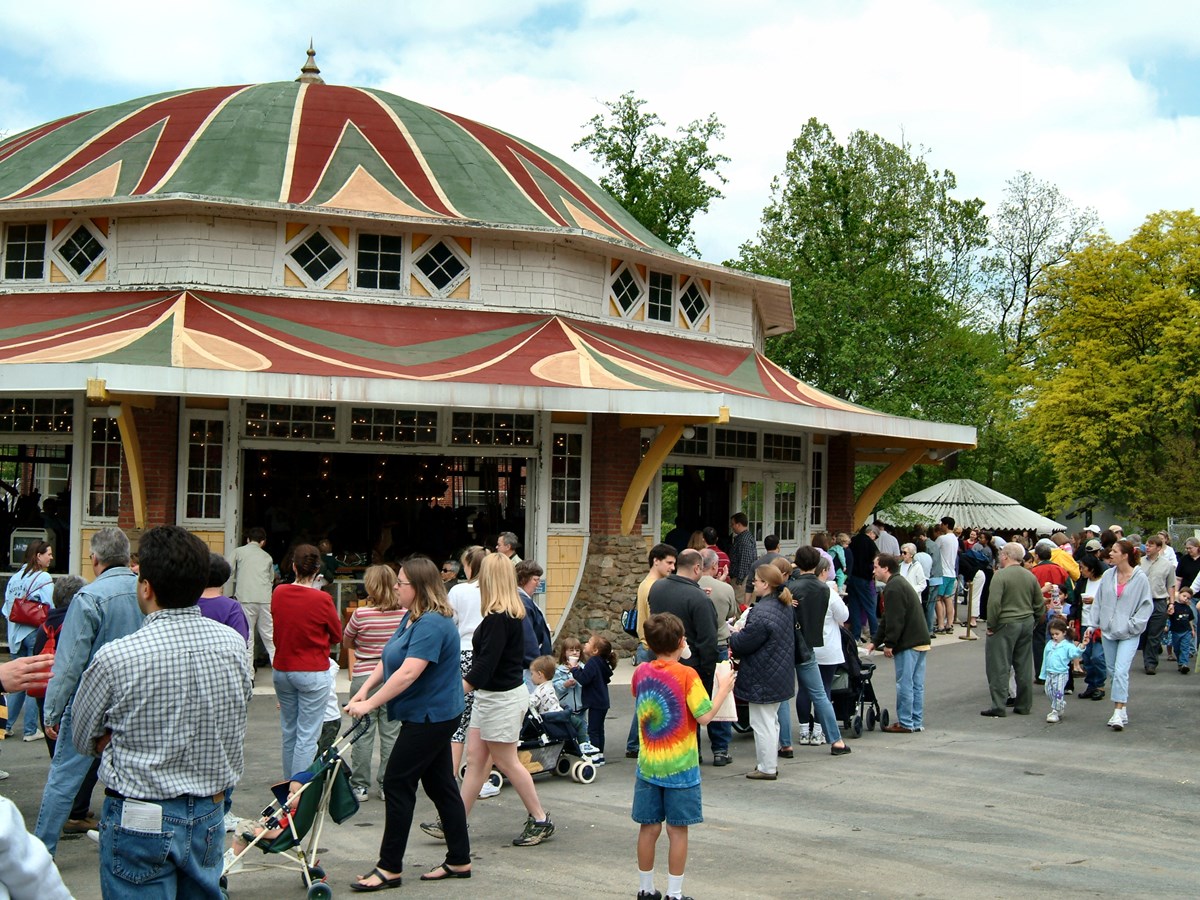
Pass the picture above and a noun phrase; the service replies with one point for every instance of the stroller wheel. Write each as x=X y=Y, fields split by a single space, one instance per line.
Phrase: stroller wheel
x=495 y=779
x=585 y=773
x=320 y=891
x=315 y=874
x=564 y=765
x=856 y=727
x=871 y=718
x=885 y=718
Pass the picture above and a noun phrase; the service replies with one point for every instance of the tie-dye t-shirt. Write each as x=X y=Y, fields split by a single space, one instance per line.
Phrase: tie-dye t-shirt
x=668 y=697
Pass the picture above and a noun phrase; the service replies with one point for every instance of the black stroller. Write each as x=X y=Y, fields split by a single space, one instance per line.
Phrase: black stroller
x=853 y=695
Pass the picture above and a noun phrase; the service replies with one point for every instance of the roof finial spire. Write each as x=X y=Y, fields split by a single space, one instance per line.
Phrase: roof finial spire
x=309 y=73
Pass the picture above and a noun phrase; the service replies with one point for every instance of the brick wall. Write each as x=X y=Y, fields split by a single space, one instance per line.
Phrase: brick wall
x=839 y=508
x=616 y=453
x=158 y=434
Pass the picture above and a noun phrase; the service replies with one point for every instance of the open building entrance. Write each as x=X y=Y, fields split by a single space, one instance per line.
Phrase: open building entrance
x=696 y=496
x=35 y=501
x=382 y=507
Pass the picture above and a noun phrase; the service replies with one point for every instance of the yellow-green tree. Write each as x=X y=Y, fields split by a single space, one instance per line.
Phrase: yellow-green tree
x=1113 y=390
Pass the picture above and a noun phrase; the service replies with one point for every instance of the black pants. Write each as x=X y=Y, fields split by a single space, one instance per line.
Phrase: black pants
x=595 y=719
x=1151 y=642
x=421 y=754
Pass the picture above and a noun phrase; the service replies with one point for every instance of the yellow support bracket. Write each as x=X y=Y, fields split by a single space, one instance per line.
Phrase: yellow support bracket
x=98 y=394
x=884 y=480
x=659 y=450
x=133 y=462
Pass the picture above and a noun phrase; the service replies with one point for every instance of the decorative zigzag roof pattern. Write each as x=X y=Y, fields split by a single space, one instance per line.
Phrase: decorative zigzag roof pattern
x=232 y=332
x=309 y=146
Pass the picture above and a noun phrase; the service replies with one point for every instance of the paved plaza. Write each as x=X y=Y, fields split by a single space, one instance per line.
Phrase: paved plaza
x=973 y=807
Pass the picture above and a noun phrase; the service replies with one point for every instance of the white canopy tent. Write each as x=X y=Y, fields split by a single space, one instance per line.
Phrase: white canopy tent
x=973 y=505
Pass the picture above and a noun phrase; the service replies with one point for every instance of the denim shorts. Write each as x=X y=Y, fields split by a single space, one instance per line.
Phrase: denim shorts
x=653 y=804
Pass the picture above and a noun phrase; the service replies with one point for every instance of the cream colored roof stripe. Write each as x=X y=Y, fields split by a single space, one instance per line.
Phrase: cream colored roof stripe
x=58 y=336
x=416 y=151
x=94 y=138
x=196 y=135
x=289 y=163
x=177 y=329
x=385 y=373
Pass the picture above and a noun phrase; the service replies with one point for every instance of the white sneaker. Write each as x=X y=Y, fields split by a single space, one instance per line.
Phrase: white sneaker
x=362 y=795
x=488 y=790
x=588 y=749
x=94 y=835
x=1124 y=711
x=1117 y=722
x=805 y=737
x=818 y=737
x=233 y=865
x=231 y=822
x=1053 y=717
x=30 y=738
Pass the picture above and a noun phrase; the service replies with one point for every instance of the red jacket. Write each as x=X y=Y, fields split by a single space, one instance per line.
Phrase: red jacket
x=306 y=626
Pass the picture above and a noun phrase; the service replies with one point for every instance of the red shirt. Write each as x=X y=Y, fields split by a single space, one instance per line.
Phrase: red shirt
x=306 y=625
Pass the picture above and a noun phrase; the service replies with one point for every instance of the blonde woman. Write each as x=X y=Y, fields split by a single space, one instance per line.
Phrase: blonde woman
x=368 y=631
x=501 y=698
x=419 y=681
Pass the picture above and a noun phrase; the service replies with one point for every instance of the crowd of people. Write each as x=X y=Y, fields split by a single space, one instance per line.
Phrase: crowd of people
x=447 y=660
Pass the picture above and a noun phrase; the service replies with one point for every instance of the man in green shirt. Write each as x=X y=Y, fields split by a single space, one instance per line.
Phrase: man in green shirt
x=1014 y=604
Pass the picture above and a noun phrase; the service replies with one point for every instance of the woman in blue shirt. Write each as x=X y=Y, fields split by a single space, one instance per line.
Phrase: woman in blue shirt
x=422 y=687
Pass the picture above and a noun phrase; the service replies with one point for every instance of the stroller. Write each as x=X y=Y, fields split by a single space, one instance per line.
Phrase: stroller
x=548 y=744
x=852 y=693
x=324 y=790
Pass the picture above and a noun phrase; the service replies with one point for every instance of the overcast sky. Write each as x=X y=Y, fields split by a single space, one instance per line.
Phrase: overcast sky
x=1100 y=98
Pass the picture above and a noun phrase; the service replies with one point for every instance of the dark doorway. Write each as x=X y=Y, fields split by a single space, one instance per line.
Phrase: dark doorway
x=35 y=495
x=380 y=507
x=698 y=496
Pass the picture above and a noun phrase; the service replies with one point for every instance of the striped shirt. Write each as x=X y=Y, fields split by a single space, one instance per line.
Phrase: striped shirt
x=174 y=696
x=368 y=630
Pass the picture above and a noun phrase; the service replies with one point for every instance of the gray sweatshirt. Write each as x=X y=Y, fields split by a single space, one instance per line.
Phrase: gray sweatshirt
x=1126 y=616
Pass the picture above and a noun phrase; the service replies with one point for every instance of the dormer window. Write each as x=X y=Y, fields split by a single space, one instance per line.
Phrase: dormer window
x=439 y=266
x=82 y=250
x=643 y=294
x=317 y=256
x=25 y=252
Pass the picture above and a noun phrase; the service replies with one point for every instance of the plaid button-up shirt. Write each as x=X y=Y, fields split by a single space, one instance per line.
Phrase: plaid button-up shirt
x=174 y=696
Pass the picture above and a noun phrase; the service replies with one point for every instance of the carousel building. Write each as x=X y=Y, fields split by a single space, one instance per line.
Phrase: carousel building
x=331 y=311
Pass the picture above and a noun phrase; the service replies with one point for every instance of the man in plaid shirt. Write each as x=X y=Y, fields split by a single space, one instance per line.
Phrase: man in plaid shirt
x=166 y=709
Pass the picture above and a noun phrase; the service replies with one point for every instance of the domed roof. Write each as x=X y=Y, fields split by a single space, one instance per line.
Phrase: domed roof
x=309 y=145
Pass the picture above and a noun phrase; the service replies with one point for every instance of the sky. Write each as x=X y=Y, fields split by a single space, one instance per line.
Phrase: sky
x=1101 y=98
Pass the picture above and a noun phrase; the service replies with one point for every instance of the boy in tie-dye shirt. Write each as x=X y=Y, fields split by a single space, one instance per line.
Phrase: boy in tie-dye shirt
x=670 y=703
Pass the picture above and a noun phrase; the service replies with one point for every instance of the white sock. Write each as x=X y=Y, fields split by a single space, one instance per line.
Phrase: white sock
x=646 y=881
x=674 y=885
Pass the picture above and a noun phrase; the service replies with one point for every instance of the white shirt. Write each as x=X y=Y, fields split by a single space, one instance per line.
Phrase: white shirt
x=830 y=653
x=468 y=610
x=948 y=544
x=887 y=543
x=915 y=573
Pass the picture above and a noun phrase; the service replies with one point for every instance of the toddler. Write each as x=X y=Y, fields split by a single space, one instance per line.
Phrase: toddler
x=593 y=677
x=1056 y=666
x=570 y=694
x=1183 y=635
x=544 y=698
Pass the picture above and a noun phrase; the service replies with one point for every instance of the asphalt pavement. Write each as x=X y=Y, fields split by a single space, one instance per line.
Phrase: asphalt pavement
x=972 y=807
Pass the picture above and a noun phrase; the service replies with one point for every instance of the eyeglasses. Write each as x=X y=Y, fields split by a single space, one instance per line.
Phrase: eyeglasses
x=403 y=584
x=447 y=571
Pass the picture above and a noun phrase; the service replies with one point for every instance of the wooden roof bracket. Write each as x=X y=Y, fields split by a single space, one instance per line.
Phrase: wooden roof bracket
x=884 y=480
x=120 y=407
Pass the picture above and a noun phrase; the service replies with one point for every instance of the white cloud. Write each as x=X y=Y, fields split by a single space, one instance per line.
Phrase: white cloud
x=989 y=88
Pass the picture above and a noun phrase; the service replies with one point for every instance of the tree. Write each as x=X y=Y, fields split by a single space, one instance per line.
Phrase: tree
x=882 y=261
x=1034 y=230
x=1113 y=392
x=664 y=182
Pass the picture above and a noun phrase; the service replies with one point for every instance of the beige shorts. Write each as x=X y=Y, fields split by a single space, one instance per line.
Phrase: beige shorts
x=498 y=714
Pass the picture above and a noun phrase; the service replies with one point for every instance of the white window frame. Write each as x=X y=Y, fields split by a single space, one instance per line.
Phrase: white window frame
x=56 y=244
x=680 y=281
x=417 y=251
x=88 y=518
x=406 y=268
x=585 y=479
x=189 y=416
x=49 y=240
x=818 y=480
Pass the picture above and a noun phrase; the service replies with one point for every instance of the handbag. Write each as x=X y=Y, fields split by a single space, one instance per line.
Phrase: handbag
x=629 y=620
x=727 y=711
x=27 y=611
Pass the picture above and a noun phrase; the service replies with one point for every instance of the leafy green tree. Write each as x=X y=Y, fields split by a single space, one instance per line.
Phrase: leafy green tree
x=883 y=264
x=663 y=181
x=1113 y=392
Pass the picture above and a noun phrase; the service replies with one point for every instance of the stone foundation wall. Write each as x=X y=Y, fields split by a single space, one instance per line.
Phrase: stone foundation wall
x=614 y=568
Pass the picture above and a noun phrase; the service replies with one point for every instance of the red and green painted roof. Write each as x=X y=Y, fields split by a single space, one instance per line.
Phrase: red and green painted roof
x=210 y=330
x=310 y=146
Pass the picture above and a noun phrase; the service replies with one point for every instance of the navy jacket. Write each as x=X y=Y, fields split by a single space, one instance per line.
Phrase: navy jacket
x=593 y=678
x=765 y=650
x=537 y=634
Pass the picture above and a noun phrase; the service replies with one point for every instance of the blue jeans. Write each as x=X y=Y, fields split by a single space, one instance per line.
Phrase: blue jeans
x=302 y=698
x=67 y=771
x=861 y=599
x=719 y=733
x=183 y=860
x=1183 y=645
x=1096 y=672
x=1118 y=657
x=811 y=693
x=17 y=701
x=785 y=724
x=910 y=688
x=631 y=745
